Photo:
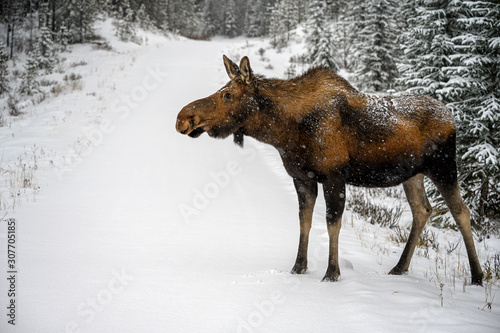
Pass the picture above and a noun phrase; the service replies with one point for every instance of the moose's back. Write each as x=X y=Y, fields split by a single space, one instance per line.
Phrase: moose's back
x=390 y=139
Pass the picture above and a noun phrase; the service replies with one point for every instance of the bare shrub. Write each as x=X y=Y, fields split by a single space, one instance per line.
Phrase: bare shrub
x=72 y=77
x=12 y=102
x=79 y=63
x=372 y=212
x=47 y=83
x=102 y=45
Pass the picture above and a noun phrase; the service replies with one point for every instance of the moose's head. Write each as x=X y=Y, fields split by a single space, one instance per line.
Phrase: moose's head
x=225 y=112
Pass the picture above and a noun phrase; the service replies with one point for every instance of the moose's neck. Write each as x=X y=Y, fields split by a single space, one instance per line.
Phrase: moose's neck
x=285 y=111
x=268 y=129
x=276 y=115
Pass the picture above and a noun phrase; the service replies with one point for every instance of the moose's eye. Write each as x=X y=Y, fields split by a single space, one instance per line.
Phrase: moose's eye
x=228 y=96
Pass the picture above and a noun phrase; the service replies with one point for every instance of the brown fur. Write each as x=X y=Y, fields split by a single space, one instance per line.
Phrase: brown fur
x=328 y=132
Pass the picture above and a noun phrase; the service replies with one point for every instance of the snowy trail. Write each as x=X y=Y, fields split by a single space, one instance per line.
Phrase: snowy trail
x=157 y=232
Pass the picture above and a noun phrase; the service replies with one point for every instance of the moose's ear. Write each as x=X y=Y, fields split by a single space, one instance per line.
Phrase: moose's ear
x=246 y=70
x=231 y=68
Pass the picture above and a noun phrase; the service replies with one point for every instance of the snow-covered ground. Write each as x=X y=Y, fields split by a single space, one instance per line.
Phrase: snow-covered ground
x=127 y=226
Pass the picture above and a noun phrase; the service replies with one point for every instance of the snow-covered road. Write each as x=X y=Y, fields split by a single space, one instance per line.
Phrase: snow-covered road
x=152 y=231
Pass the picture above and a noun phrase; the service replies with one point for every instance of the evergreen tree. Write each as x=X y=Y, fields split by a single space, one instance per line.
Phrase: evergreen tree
x=319 y=38
x=31 y=25
x=13 y=16
x=46 y=49
x=143 y=19
x=63 y=38
x=473 y=93
x=332 y=9
x=29 y=84
x=324 y=54
x=342 y=36
x=276 y=29
x=355 y=20
x=255 y=19
x=125 y=28
x=284 y=18
x=163 y=18
x=427 y=47
x=313 y=26
x=210 y=20
x=230 y=28
x=185 y=17
x=4 y=70
x=376 y=51
x=81 y=15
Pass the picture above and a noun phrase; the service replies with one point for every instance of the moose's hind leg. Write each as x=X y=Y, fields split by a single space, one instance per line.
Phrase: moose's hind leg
x=307 y=191
x=461 y=214
x=421 y=210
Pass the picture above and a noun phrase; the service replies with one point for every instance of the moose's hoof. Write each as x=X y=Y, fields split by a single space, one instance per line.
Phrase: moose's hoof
x=331 y=278
x=331 y=275
x=397 y=271
x=299 y=269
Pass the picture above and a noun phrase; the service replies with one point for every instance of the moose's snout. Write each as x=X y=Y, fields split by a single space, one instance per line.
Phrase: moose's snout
x=189 y=122
x=182 y=125
x=193 y=117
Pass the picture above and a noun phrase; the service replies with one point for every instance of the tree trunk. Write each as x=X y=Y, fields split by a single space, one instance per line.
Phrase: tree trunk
x=485 y=187
x=53 y=21
x=12 y=40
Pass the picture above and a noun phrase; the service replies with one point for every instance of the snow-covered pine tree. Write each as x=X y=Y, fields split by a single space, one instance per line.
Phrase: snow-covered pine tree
x=31 y=24
x=46 y=49
x=324 y=55
x=13 y=15
x=29 y=84
x=276 y=29
x=376 y=52
x=163 y=16
x=4 y=70
x=407 y=10
x=143 y=19
x=208 y=14
x=473 y=93
x=341 y=36
x=230 y=27
x=319 y=37
x=426 y=49
x=333 y=9
x=125 y=27
x=63 y=37
x=355 y=19
x=407 y=22
x=255 y=25
x=81 y=15
x=186 y=17
x=290 y=18
x=284 y=18
x=313 y=23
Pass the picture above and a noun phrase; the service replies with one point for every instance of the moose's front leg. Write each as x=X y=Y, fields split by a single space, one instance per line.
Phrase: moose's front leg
x=307 y=191
x=335 y=199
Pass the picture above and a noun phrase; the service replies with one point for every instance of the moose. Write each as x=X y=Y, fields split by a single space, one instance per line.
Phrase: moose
x=328 y=132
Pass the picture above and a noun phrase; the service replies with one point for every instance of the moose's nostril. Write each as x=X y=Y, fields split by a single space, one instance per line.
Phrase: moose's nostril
x=182 y=126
